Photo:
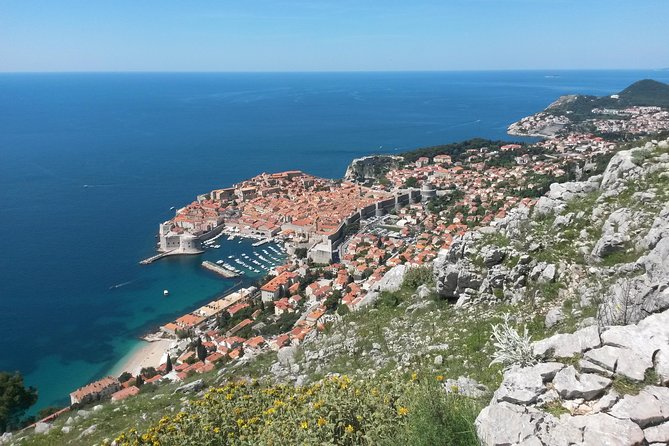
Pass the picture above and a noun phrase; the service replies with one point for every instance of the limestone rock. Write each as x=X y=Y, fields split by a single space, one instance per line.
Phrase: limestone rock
x=554 y=317
x=604 y=430
x=195 y=386
x=650 y=406
x=492 y=255
x=570 y=384
x=466 y=386
x=42 y=428
x=657 y=434
x=519 y=424
x=524 y=385
x=88 y=431
x=566 y=345
x=620 y=167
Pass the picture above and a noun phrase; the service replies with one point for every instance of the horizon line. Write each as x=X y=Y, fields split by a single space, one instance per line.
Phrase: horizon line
x=325 y=71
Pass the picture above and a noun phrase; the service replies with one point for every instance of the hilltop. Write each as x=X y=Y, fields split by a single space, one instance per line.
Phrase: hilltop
x=643 y=93
x=636 y=109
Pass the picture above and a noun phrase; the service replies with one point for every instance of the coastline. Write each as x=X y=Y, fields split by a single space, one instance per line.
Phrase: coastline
x=145 y=354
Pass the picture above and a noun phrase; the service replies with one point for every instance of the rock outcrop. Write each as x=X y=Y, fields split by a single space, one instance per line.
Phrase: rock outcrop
x=593 y=413
x=371 y=167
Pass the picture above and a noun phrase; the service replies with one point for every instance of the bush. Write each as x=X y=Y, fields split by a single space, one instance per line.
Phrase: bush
x=415 y=277
x=335 y=411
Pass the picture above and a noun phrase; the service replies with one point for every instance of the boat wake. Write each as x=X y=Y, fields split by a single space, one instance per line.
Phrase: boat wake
x=119 y=285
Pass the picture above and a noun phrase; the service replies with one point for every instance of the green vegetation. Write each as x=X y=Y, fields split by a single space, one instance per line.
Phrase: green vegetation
x=646 y=92
x=418 y=276
x=15 y=399
x=454 y=150
x=337 y=410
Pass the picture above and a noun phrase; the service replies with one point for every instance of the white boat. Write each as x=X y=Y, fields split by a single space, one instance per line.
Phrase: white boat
x=166 y=293
x=230 y=257
x=220 y=262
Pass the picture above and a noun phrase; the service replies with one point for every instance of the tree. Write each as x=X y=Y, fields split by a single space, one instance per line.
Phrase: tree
x=125 y=376
x=411 y=182
x=148 y=372
x=201 y=352
x=168 y=364
x=139 y=382
x=15 y=399
x=301 y=253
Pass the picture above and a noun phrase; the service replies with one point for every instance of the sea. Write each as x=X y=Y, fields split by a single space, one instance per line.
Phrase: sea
x=90 y=164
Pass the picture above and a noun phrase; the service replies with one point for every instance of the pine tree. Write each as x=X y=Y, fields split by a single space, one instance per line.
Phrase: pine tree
x=201 y=352
x=168 y=364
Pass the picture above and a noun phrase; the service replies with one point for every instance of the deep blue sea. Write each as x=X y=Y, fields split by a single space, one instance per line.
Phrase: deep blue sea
x=91 y=163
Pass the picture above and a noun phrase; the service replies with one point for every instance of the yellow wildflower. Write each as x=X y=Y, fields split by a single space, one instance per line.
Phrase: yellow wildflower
x=402 y=411
x=414 y=376
x=440 y=378
x=349 y=429
x=321 y=422
x=304 y=425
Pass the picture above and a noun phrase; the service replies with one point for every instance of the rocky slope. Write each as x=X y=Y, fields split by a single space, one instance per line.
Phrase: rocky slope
x=606 y=383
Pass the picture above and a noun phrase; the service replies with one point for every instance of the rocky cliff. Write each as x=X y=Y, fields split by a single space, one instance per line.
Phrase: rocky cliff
x=371 y=167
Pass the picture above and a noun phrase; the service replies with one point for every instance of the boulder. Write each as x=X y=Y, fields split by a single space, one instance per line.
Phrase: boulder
x=423 y=292
x=42 y=428
x=286 y=355
x=392 y=280
x=466 y=386
x=620 y=167
x=195 y=386
x=570 y=384
x=554 y=317
x=88 y=431
x=524 y=385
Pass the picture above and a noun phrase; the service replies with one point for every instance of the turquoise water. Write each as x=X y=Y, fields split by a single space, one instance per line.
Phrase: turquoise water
x=142 y=143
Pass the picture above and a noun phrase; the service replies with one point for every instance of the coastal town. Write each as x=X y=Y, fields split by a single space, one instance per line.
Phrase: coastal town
x=338 y=240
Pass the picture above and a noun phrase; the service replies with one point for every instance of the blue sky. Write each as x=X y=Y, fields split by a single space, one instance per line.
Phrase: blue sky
x=337 y=35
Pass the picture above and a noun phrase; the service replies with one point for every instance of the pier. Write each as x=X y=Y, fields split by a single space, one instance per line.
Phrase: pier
x=211 y=266
x=261 y=242
x=156 y=257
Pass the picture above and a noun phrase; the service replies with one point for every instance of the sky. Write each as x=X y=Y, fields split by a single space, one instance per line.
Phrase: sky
x=332 y=35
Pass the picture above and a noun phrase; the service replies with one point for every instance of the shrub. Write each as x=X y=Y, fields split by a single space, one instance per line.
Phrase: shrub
x=511 y=347
x=415 y=277
x=334 y=411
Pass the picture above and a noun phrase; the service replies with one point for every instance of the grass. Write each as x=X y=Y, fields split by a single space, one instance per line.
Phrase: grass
x=627 y=386
x=555 y=408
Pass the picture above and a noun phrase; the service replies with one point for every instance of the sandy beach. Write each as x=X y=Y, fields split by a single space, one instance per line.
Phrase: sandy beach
x=148 y=355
